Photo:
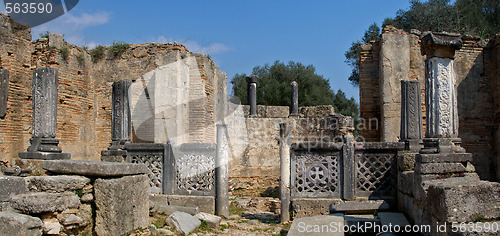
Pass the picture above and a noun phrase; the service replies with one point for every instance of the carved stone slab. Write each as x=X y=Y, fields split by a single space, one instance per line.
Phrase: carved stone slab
x=4 y=91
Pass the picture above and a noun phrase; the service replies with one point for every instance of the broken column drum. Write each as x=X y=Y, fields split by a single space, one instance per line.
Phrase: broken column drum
x=44 y=145
x=252 y=94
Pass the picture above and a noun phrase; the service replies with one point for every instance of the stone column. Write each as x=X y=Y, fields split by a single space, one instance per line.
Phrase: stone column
x=4 y=91
x=222 y=172
x=294 y=103
x=120 y=122
x=44 y=145
x=252 y=94
x=442 y=154
x=411 y=115
x=440 y=92
x=285 y=171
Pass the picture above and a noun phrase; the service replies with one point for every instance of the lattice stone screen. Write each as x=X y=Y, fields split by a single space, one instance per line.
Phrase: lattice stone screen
x=316 y=174
x=152 y=155
x=191 y=169
x=375 y=174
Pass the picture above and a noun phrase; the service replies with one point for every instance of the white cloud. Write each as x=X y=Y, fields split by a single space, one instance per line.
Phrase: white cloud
x=72 y=26
x=194 y=46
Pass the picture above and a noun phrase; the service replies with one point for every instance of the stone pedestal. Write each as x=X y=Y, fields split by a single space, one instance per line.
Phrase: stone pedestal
x=120 y=123
x=252 y=94
x=44 y=145
x=294 y=103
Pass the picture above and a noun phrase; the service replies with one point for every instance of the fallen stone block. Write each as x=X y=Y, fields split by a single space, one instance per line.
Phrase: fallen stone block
x=10 y=186
x=183 y=222
x=18 y=224
x=122 y=204
x=213 y=221
x=33 y=203
x=167 y=209
x=393 y=218
x=57 y=184
x=94 y=168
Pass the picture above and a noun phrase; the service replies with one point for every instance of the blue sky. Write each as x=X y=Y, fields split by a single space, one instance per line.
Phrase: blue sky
x=237 y=34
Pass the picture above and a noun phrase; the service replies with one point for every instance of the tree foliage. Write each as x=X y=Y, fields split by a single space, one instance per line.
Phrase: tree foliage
x=273 y=87
x=473 y=17
x=352 y=55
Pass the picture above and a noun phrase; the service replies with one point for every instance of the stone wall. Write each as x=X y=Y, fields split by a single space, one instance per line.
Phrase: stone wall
x=397 y=55
x=76 y=198
x=176 y=94
x=254 y=144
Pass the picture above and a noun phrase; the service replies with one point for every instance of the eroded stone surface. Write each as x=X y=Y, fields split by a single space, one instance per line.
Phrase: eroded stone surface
x=33 y=203
x=10 y=186
x=122 y=204
x=18 y=224
x=60 y=183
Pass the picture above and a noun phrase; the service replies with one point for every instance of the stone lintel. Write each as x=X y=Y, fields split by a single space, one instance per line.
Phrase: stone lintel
x=358 y=146
x=95 y=168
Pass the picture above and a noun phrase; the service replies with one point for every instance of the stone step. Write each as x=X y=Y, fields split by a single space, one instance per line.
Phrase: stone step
x=363 y=207
x=317 y=225
x=361 y=219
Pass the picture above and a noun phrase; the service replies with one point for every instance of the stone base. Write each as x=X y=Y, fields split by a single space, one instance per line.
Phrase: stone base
x=442 y=145
x=302 y=207
x=113 y=155
x=44 y=155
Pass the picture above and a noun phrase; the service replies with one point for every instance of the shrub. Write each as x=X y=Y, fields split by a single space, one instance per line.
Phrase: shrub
x=118 y=48
x=64 y=52
x=97 y=53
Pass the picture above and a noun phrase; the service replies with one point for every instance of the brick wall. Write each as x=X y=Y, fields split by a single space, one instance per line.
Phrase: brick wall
x=84 y=92
x=369 y=91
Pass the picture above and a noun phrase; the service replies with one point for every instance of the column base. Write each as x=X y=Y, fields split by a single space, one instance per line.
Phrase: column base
x=44 y=149
x=113 y=155
x=442 y=145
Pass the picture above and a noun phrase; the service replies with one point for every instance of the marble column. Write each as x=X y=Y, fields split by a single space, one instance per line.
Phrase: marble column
x=222 y=172
x=440 y=91
x=294 y=103
x=285 y=142
x=252 y=94
x=44 y=145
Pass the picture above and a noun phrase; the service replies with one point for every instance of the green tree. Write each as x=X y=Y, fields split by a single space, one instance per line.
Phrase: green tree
x=352 y=55
x=273 y=87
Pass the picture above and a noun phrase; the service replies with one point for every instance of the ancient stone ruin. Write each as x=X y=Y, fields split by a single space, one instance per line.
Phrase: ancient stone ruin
x=149 y=141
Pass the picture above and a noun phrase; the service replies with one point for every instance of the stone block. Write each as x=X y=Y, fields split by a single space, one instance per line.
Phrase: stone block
x=302 y=207
x=10 y=186
x=360 y=207
x=18 y=224
x=56 y=40
x=317 y=225
x=183 y=222
x=94 y=168
x=122 y=204
x=463 y=199
x=58 y=184
x=213 y=221
x=444 y=158
x=439 y=168
x=406 y=182
x=204 y=203
x=406 y=162
x=34 y=203
x=277 y=111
